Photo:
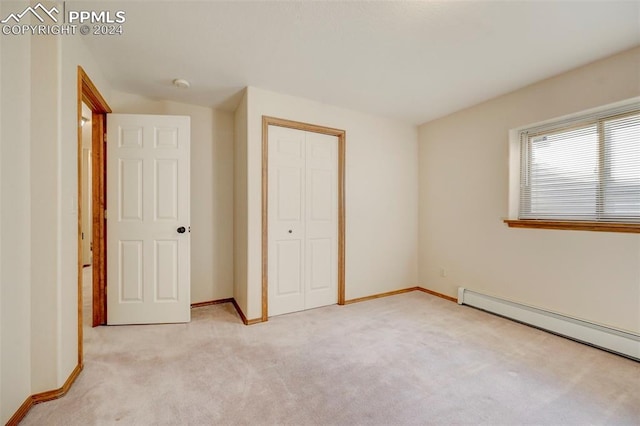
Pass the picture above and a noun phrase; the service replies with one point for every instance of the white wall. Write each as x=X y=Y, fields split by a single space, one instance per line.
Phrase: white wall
x=15 y=223
x=464 y=197
x=86 y=187
x=211 y=190
x=45 y=214
x=86 y=200
x=381 y=194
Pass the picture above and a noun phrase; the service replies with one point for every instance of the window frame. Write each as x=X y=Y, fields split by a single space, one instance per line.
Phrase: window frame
x=572 y=120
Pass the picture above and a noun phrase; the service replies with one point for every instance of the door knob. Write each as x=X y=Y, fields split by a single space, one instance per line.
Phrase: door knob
x=181 y=230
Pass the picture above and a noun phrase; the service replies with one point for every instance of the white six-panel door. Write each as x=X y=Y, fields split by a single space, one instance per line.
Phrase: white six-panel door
x=148 y=257
x=302 y=220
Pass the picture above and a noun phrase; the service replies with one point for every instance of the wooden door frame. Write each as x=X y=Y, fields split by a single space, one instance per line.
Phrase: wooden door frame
x=297 y=125
x=89 y=94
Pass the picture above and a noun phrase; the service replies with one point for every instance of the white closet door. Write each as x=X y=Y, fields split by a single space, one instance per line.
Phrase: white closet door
x=302 y=220
x=321 y=207
x=286 y=220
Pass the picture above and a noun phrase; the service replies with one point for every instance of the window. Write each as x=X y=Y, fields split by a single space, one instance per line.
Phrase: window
x=583 y=169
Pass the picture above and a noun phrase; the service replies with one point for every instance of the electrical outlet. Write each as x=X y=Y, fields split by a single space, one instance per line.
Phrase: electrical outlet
x=443 y=272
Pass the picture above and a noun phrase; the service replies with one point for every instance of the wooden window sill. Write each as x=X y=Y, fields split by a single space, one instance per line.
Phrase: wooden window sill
x=574 y=226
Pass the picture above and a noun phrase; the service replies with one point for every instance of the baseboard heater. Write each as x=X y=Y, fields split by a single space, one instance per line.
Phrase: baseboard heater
x=609 y=339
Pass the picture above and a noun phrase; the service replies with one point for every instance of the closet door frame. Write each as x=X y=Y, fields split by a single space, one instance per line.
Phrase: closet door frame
x=341 y=135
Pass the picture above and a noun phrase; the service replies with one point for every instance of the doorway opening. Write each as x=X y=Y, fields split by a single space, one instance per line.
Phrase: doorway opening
x=341 y=136
x=91 y=196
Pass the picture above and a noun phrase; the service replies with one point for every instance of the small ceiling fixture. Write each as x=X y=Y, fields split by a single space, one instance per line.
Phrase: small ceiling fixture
x=181 y=83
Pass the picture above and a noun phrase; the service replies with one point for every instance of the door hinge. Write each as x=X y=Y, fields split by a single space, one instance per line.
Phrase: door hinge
x=105 y=214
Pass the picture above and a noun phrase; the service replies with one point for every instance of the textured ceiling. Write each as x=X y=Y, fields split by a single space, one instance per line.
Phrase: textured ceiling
x=413 y=61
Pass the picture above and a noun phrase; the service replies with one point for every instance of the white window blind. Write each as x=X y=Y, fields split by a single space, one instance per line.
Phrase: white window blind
x=583 y=169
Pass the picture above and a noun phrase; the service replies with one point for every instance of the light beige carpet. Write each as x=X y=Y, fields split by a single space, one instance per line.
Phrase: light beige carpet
x=406 y=359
